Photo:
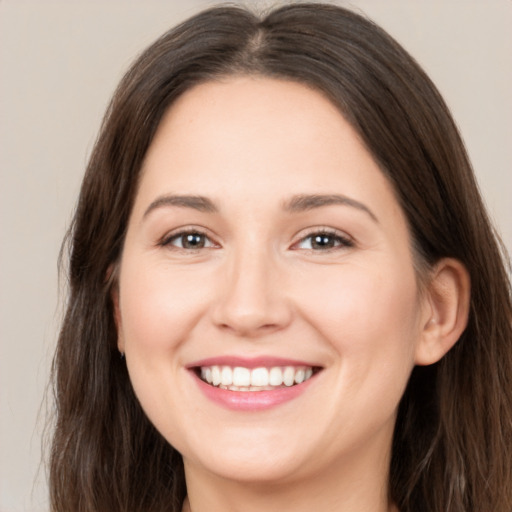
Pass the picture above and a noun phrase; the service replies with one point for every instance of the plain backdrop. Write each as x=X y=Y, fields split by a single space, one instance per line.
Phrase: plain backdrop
x=59 y=63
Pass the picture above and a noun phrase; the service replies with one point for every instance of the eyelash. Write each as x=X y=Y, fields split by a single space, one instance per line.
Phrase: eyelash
x=329 y=236
x=167 y=241
x=339 y=240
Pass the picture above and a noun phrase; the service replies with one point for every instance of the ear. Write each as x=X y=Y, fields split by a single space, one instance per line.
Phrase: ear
x=446 y=311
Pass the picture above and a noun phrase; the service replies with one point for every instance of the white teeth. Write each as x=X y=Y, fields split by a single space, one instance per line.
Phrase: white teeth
x=289 y=376
x=257 y=379
x=299 y=376
x=226 y=376
x=276 y=376
x=215 y=375
x=241 y=376
x=206 y=374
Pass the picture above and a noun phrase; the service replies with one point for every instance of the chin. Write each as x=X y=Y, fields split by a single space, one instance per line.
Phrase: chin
x=248 y=461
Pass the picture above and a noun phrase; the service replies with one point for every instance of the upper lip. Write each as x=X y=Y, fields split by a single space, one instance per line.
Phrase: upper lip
x=250 y=362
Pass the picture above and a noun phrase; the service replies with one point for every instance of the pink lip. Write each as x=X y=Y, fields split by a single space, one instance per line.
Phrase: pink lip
x=250 y=400
x=249 y=362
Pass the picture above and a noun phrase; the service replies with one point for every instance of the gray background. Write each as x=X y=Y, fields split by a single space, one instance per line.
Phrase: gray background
x=59 y=63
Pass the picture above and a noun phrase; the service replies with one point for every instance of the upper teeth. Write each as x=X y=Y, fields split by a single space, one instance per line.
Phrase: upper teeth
x=241 y=377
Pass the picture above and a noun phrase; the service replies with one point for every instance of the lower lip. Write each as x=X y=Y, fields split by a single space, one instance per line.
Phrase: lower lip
x=251 y=400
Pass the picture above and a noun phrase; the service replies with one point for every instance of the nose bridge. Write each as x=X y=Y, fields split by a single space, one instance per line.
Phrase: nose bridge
x=253 y=300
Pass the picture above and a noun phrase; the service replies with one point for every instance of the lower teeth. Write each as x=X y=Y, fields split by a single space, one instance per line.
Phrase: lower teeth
x=249 y=388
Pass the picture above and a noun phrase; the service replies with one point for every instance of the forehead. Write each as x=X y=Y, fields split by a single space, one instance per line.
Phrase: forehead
x=244 y=137
x=271 y=113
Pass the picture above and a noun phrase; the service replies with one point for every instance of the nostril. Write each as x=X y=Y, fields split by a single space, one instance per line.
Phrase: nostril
x=251 y=320
x=249 y=329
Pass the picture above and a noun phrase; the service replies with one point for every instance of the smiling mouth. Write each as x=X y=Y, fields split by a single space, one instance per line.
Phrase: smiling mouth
x=239 y=378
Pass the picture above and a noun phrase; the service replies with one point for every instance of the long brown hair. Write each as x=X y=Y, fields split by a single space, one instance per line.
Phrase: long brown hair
x=452 y=448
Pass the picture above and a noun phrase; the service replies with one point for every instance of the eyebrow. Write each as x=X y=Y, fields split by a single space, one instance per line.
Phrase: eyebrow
x=199 y=203
x=299 y=203
x=303 y=202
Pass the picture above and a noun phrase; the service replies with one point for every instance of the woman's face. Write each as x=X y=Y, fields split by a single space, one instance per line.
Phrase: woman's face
x=266 y=253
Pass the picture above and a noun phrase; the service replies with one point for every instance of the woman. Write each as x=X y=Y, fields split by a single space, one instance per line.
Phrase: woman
x=280 y=232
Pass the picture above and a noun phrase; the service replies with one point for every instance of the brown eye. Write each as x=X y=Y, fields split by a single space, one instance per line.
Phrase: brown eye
x=189 y=240
x=193 y=241
x=323 y=241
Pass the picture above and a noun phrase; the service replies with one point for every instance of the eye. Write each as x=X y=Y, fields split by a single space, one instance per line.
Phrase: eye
x=189 y=240
x=324 y=241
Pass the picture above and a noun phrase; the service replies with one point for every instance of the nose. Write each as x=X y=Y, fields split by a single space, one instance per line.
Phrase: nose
x=252 y=301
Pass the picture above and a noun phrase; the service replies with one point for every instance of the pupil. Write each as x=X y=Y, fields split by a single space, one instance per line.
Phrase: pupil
x=323 y=241
x=194 y=240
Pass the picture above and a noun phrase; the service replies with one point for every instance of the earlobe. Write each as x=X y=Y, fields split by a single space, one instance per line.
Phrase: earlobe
x=447 y=298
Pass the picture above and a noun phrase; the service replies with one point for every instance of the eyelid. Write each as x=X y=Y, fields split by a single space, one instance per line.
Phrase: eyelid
x=165 y=241
x=346 y=240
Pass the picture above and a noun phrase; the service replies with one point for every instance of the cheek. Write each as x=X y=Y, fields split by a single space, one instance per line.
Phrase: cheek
x=370 y=318
x=157 y=307
x=158 y=310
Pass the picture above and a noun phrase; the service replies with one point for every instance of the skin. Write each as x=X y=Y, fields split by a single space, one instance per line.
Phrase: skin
x=259 y=287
